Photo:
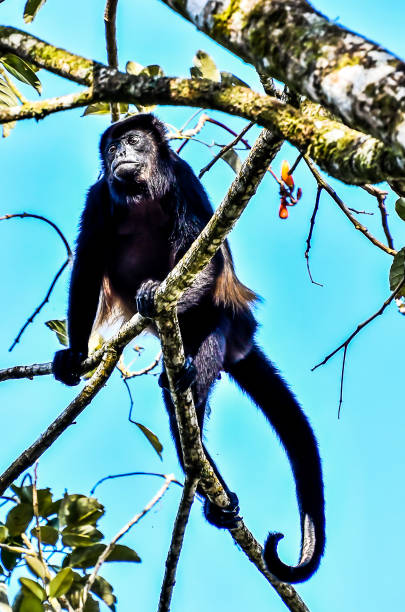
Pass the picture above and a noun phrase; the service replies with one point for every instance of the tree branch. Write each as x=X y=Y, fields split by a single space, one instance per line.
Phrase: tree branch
x=189 y=490
x=108 y=550
x=322 y=183
x=291 y=41
x=344 y=153
x=110 y=15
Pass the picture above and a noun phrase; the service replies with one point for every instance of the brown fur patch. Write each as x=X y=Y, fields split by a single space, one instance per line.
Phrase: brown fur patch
x=110 y=307
x=229 y=291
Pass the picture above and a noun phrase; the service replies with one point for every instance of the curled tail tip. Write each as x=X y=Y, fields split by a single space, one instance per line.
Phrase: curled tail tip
x=287 y=573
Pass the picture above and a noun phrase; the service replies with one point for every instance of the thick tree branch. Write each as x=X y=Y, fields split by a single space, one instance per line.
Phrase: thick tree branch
x=351 y=76
x=344 y=153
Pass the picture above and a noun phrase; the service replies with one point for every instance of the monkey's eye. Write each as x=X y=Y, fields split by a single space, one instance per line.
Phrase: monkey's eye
x=133 y=140
x=112 y=148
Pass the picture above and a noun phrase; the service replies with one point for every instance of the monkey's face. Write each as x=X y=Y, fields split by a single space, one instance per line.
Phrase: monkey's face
x=130 y=157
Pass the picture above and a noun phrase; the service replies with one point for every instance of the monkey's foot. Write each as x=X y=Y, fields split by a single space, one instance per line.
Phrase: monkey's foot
x=224 y=518
x=145 y=298
x=184 y=378
x=66 y=366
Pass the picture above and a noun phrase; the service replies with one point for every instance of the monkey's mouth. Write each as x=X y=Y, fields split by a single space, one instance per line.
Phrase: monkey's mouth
x=126 y=170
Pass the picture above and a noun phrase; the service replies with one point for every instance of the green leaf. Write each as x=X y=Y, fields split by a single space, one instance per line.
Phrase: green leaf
x=84 y=557
x=34 y=588
x=44 y=497
x=9 y=559
x=54 y=509
x=153 y=70
x=26 y=602
x=103 y=108
x=79 y=510
x=3 y=533
x=400 y=208
x=19 y=518
x=123 y=553
x=204 y=67
x=153 y=439
x=31 y=9
x=91 y=605
x=30 y=603
x=49 y=535
x=134 y=68
x=84 y=535
x=7 y=96
x=60 y=329
x=227 y=78
x=61 y=583
x=104 y=590
x=21 y=70
x=397 y=272
x=36 y=567
x=232 y=159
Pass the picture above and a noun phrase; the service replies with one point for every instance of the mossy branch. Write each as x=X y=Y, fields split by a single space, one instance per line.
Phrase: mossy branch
x=353 y=77
x=346 y=154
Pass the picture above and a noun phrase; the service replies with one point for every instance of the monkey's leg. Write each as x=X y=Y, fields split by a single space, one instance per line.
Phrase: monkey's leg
x=208 y=363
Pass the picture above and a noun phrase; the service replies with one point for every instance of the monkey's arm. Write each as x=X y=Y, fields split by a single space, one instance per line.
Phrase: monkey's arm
x=87 y=274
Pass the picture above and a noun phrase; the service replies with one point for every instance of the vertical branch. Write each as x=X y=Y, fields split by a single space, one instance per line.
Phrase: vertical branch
x=311 y=229
x=110 y=14
x=190 y=487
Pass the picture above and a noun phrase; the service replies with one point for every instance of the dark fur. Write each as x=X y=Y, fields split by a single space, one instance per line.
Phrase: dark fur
x=139 y=219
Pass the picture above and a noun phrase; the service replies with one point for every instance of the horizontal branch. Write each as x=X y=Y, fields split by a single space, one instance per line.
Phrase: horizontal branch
x=351 y=76
x=346 y=154
x=40 y=109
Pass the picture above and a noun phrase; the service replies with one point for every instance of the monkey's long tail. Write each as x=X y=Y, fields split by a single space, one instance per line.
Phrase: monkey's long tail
x=256 y=375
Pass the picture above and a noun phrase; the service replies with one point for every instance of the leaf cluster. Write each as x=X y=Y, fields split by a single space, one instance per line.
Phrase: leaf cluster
x=57 y=541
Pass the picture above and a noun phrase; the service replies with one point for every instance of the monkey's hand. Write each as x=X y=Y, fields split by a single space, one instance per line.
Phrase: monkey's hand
x=184 y=378
x=145 y=298
x=66 y=366
x=224 y=518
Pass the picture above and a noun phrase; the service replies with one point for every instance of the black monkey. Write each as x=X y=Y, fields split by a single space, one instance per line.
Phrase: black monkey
x=140 y=218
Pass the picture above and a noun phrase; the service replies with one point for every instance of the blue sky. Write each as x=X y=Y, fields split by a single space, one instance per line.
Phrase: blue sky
x=46 y=169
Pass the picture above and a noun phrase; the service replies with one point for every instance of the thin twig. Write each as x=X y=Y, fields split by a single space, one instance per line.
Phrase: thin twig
x=295 y=164
x=321 y=181
x=25 y=215
x=381 y=195
x=228 y=129
x=31 y=318
x=361 y=326
x=311 y=228
x=183 y=513
x=107 y=551
x=41 y=305
x=225 y=149
x=126 y=373
x=114 y=476
x=37 y=527
x=360 y=212
x=110 y=15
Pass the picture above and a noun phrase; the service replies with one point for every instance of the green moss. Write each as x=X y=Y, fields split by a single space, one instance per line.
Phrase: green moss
x=220 y=28
x=348 y=60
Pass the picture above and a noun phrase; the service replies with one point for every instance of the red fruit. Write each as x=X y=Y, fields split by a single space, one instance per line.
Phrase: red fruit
x=283 y=212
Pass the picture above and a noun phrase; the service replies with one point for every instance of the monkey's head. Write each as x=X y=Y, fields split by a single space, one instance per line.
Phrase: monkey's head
x=135 y=157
